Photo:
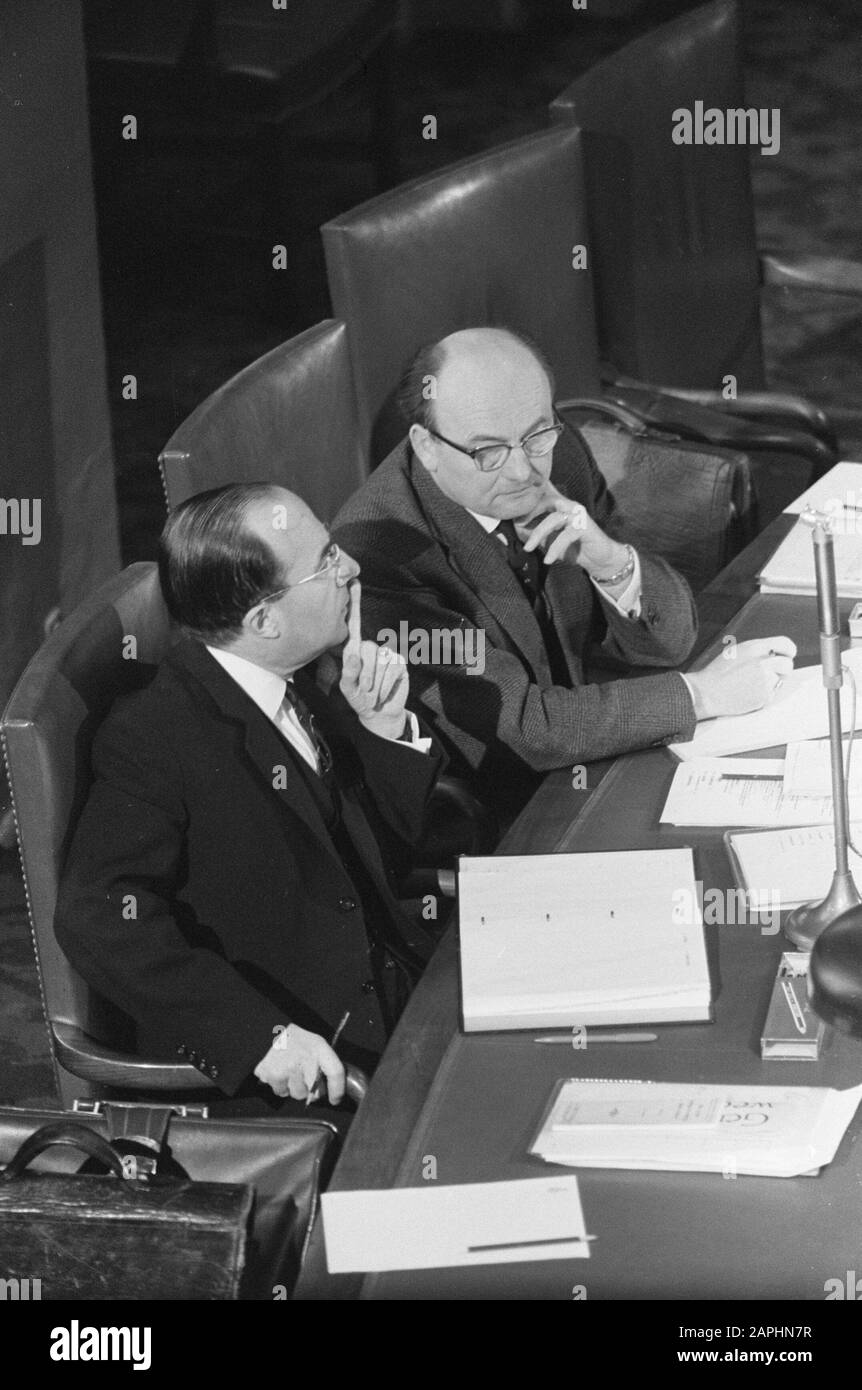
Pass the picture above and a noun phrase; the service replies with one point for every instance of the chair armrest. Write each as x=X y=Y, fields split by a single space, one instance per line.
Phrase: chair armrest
x=835 y=274
x=462 y=800
x=92 y=1061
x=778 y=408
x=679 y=418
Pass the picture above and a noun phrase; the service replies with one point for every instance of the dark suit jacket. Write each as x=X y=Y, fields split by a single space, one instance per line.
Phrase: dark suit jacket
x=426 y=560
x=203 y=893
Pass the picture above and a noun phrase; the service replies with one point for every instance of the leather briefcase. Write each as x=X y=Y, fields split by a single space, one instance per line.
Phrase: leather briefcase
x=284 y=1162
x=133 y=1234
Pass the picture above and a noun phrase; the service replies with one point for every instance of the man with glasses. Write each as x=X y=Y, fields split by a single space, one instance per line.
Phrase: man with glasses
x=492 y=515
x=225 y=887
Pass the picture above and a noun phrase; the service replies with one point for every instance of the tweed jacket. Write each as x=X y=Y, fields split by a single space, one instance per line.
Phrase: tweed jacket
x=427 y=563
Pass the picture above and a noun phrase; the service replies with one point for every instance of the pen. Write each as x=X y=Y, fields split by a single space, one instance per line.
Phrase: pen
x=598 y=1038
x=793 y=1002
x=314 y=1093
x=525 y=1244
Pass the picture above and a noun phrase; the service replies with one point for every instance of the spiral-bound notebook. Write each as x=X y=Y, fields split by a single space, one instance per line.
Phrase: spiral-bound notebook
x=555 y=940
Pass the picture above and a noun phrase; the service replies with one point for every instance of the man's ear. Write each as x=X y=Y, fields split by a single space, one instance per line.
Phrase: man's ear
x=423 y=447
x=259 y=622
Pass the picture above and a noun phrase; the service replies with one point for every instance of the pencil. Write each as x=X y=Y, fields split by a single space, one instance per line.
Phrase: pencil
x=314 y=1093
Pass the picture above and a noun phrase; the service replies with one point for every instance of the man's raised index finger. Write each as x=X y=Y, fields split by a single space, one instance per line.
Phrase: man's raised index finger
x=354 y=617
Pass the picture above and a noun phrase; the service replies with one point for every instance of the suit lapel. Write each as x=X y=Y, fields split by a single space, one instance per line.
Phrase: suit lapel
x=478 y=559
x=264 y=746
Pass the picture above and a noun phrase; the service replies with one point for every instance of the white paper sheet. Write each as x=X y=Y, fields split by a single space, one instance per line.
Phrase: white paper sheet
x=799 y=711
x=832 y=492
x=434 y=1227
x=773 y=1131
x=808 y=772
x=792 y=866
x=790 y=570
x=739 y=791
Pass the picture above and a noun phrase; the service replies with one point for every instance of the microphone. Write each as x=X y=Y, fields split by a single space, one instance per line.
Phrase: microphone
x=805 y=924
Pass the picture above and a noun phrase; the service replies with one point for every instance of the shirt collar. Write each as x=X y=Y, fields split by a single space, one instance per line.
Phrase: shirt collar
x=487 y=523
x=264 y=687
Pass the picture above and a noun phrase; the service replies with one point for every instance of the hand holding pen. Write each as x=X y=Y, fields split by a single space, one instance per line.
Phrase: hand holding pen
x=315 y=1093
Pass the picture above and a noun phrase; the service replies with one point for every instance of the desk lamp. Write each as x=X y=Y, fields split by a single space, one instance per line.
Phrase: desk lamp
x=805 y=924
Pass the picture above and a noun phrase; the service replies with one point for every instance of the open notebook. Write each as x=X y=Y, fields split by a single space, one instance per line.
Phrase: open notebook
x=556 y=940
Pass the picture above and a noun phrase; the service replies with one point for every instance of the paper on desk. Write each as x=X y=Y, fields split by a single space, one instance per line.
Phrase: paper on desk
x=799 y=711
x=808 y=772
x=773 y=1131
x=739 y=791
x=792 y=866
x=438 y=1227
x=842 y=484
x=790 y=570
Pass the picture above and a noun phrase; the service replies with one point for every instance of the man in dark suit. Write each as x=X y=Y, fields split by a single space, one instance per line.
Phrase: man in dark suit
x=224 y=886
x=493 y=559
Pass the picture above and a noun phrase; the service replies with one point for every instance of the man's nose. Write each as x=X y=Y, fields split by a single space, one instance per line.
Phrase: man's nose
x=348 y=568
x=518 y=466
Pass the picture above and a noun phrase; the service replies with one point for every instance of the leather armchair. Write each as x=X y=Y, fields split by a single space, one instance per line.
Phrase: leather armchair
x=287 y=418
x=678 y=271
x=487 y=240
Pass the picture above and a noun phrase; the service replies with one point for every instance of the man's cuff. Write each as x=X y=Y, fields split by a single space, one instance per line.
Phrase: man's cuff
x=411 y=735
x=628 y=603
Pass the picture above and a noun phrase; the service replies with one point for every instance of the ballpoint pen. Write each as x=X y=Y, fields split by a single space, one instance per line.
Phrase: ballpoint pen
x=793 y=1004
x=589 y=1037
x=314 y=1093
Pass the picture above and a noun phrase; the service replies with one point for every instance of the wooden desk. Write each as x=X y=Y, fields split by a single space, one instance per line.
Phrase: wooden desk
x=474 y=1102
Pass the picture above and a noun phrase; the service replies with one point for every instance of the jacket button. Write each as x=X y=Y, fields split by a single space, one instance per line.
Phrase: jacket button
x=347 y=904
x=368 y=987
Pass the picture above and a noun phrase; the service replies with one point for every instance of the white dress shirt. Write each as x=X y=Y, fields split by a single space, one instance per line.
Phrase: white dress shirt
x=628 y=602
x=267 y=690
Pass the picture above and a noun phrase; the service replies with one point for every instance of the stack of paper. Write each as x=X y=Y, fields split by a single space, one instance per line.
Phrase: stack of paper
x=434 y=1227
x=808 y=771
x=555 y=940
x=799 y=711
x=839 y=491
x=774 y=1131
x=790 y=570
x=789 y=866
x=740 y=791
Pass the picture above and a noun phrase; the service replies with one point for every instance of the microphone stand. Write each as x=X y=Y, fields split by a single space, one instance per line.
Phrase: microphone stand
x=805 y=924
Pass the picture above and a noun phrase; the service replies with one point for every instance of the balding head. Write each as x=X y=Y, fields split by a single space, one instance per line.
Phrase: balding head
x=489 y=387
x=483 y=351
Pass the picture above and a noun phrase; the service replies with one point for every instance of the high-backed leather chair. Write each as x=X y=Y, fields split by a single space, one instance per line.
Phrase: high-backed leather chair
x=47 y=731
x=672 y=226
x=288 y=418
x=487 y=240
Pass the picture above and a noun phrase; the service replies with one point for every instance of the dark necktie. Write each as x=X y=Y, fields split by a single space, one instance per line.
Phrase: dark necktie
x=529 y=570
x=526 y=565
x=308 y=724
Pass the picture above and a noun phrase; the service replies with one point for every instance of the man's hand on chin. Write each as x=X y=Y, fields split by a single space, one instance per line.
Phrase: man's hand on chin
x=374 y=679
x=570 y=533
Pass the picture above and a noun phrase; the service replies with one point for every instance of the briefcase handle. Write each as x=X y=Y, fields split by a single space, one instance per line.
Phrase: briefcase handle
x=70 y=1134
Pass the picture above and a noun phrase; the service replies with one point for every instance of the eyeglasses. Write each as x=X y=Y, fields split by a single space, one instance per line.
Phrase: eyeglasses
x=489 y=457
x=332 y=558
